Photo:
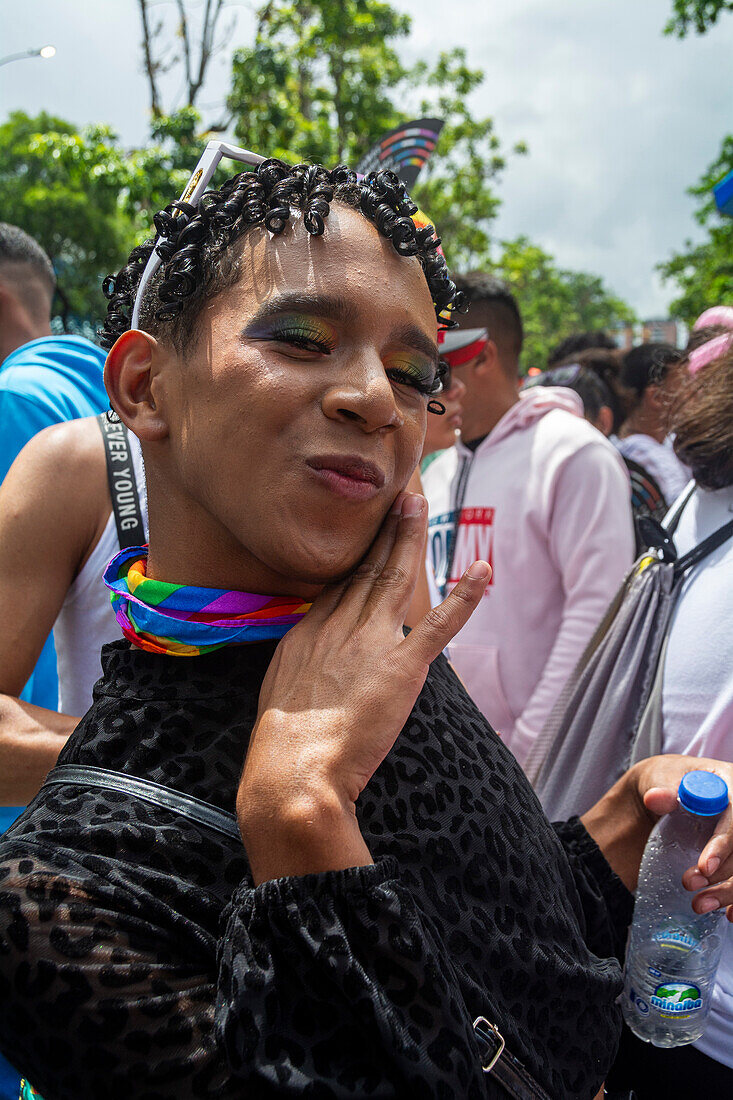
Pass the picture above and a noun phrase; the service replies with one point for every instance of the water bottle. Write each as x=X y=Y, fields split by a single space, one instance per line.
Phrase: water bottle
x=673 y=953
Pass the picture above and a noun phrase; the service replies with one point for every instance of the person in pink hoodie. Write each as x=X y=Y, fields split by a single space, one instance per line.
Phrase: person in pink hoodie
x=541 y=495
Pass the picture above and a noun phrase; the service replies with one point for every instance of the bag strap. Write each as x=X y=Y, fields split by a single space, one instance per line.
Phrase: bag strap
x=647 y=739
x=703 y=549
x=496 y=1058
x=122 y=483
x=203 y=813
x=659 y=537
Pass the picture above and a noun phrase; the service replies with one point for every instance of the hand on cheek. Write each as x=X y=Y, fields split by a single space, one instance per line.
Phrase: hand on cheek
x=339 y=690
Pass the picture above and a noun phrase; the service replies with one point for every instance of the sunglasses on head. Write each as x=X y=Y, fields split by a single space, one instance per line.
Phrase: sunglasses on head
x=198 y=182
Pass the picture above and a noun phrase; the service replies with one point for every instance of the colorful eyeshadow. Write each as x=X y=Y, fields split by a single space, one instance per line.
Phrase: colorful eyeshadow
x=412 y=370
x=302 y=329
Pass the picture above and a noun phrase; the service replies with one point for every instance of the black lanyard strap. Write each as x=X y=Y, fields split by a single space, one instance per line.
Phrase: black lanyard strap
x=122 y=483
x=452 y=535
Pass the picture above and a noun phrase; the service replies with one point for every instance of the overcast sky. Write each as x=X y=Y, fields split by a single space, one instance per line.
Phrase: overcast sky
x=618 y=118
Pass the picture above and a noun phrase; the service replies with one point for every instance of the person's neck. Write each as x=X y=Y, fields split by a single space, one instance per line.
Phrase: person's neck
x=18 y=332
x=478 y=422
x=186 y=546
x=641 y=423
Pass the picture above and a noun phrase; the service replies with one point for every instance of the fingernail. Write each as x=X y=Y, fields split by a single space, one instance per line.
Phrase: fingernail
x=697 y=881
x=413 y=505
x=713 y=864
x=708 y=904
x=479 y=571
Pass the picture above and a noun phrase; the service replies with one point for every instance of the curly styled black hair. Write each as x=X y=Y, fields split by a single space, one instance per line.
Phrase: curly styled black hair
x=199 y=262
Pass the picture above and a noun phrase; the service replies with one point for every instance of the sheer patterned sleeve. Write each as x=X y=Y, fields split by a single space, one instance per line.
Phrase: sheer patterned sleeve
x=332 y=985
x=347 y=958
x=607 y=905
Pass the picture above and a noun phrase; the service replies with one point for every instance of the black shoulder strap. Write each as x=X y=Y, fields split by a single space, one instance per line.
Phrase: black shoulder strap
x=122 y=483
x=203 y=813
x=464 y=470
x=703 y=549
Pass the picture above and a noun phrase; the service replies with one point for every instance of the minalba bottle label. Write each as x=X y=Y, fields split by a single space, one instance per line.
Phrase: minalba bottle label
x=679 y=999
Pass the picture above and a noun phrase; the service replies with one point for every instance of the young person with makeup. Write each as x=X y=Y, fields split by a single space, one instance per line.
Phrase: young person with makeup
x=389 y=892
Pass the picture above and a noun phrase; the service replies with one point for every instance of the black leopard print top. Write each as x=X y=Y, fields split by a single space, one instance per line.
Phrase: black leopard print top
x=137 y=960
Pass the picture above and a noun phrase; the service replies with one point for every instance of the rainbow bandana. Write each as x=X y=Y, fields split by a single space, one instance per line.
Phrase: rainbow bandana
x=184 y=621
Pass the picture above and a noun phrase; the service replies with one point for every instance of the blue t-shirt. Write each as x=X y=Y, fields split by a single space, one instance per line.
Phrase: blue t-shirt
x=45 y=382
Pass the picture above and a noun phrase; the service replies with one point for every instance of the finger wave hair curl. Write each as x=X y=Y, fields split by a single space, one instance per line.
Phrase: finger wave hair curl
x=198 y=261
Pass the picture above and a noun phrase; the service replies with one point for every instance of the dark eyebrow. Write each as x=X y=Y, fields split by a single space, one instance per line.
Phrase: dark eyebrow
x=335 y=308
x=414 y=337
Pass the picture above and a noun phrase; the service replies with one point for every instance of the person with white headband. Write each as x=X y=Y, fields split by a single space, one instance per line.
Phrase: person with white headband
x=283 y=854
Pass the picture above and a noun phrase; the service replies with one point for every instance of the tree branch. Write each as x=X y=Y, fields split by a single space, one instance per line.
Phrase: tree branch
x=264 y=16
x=206 y=36
x=151 y=66
x=186 y=45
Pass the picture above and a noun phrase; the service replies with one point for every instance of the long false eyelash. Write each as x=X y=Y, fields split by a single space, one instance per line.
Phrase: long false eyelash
x=426 y=388
x=289 y=336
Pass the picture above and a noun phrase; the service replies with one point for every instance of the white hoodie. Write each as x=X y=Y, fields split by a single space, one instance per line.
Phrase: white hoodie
x=545 y=500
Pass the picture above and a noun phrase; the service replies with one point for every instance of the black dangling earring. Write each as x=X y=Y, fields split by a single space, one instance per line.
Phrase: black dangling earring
x=436 y=407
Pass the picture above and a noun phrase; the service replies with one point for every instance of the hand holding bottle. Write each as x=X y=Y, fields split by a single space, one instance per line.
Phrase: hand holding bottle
x=673 y=952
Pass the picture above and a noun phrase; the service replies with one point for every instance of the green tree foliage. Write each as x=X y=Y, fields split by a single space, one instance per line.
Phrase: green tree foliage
x=457 y=185
x=86 y=199
x=158 y=172
x=320 y=80
x=704 y=272
x=695 y=15
x=555 y=302
x=323 y=82
x=62 y=185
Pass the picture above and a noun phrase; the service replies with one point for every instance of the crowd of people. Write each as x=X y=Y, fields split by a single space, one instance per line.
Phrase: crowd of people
x=297 y=571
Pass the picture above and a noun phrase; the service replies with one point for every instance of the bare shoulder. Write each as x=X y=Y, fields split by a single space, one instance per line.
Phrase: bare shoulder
x=59 y=482
x=75 y=443
x=66 y=457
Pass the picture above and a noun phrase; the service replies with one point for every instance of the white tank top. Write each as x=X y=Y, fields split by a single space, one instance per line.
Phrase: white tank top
x=86 y=620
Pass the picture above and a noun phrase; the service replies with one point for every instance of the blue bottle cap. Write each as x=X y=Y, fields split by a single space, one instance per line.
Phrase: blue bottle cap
x=703 y=793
